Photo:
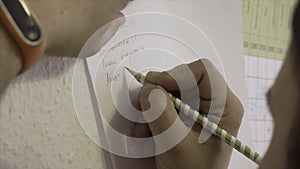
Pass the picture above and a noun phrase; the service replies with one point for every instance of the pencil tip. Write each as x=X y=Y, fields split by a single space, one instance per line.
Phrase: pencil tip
x=130 y=71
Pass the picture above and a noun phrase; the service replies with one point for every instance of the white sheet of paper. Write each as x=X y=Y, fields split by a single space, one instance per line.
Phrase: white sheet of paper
x=205 y=29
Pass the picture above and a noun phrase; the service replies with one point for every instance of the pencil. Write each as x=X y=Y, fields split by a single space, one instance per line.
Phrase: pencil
x=207 y=124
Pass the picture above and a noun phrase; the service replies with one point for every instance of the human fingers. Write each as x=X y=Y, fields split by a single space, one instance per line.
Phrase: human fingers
x=216 y=98
x=203 y=71
x=154 y=99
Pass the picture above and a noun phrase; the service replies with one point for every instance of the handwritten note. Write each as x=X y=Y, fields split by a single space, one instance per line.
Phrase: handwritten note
x=161 y=46
x=160 y=42
x=116 y=55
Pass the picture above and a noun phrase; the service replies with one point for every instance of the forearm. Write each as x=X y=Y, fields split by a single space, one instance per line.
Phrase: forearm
x=69 y=24
x=10 y=60
x=9 y=68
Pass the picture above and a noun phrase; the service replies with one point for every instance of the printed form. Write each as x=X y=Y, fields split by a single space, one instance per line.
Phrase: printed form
x=266 y=39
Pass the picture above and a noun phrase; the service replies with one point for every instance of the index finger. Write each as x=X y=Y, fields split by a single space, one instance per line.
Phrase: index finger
x=205 y=73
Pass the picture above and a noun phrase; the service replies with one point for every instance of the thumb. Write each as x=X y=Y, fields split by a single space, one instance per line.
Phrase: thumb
x=158 y=108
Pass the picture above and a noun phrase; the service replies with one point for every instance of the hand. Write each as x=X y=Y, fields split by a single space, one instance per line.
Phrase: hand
x=189 y=153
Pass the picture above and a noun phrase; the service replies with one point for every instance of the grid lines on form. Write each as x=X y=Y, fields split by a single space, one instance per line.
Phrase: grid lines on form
x=260 y=75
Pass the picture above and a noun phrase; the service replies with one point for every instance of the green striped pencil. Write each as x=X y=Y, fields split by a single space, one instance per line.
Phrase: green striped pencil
x=207 y=124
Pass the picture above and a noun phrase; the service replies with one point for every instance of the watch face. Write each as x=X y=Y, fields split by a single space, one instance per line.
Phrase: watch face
x=23 y=19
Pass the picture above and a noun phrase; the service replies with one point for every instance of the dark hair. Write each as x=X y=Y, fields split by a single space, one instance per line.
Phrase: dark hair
x=293 y=161
x=295 y=44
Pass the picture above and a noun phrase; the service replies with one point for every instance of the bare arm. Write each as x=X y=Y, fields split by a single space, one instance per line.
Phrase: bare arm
x=68 y=24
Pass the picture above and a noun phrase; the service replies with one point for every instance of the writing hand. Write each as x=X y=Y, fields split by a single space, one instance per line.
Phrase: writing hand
x=189 y=153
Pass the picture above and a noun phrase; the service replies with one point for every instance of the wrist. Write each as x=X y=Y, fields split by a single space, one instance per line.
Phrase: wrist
x=69 y=24
x=24 y=28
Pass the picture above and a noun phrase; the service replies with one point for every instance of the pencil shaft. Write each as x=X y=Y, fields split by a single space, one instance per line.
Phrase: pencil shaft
x=207 y=124
x=216 y=130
